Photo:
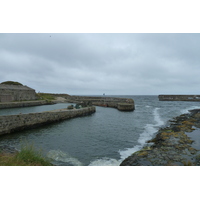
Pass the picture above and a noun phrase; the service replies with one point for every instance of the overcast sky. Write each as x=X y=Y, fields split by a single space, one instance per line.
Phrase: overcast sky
x=93 y=64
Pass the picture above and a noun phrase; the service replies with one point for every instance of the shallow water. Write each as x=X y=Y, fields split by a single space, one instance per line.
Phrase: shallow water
x=103 y=138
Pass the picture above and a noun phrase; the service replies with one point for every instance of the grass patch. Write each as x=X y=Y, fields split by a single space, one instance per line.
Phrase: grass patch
x=46 y=96
x=11 y=83
x=28 y=156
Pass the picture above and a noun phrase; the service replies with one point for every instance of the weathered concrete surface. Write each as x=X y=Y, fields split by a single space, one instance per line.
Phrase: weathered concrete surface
x=172 y=145
x=112 y=102
x=23 y=104
x=179 y=97
x=12 y=123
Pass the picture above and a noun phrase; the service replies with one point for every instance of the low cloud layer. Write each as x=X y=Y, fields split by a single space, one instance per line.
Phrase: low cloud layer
x=93 y=64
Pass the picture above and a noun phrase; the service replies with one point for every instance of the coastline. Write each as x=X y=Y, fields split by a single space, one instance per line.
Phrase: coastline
x=172 y=145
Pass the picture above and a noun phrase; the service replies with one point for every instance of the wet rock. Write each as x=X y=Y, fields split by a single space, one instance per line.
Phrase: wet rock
x=130 y=161
x=171 y=146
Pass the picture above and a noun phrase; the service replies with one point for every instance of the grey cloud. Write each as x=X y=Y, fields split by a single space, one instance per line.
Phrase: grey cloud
x=98 y=63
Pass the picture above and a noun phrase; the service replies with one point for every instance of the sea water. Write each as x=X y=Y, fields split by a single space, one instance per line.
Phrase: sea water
x=103 y=138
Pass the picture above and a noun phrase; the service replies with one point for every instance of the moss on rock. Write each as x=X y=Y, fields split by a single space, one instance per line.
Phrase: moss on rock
x=171 y=145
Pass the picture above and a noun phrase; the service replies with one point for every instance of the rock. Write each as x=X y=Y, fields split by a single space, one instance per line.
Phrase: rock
x=171 y=146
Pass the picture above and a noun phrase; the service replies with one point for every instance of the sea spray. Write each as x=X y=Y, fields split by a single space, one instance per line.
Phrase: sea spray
x=105 y=162
x=147 y=134
x=183 y=111
x=60 y=156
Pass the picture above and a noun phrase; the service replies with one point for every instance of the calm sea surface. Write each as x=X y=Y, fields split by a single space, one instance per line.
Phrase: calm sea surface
x=104 y=138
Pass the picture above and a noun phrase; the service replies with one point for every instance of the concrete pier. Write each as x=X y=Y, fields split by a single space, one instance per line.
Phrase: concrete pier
x=122 y=104
x=179 y=97
x=13 y=123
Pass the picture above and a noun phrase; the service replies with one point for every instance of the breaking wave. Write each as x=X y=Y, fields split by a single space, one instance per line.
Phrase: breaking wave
x=60 y=156
x=105 y=162
x=183 y=111
x=146 y=135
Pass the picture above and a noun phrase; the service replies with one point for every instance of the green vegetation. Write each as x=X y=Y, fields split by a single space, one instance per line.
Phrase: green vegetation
x=46 y=96
x=28 y=156
x=11 y=83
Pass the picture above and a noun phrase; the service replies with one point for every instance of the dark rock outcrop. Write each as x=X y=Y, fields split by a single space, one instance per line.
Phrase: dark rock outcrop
x=172 y=145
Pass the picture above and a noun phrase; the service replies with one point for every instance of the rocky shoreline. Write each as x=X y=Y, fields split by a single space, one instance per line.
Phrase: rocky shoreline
x=174 y=145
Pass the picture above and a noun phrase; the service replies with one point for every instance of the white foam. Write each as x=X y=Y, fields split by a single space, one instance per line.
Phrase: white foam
x=105 y=162
x=58 y=155
x=128 y=151
x=147 y=134
x=185 y=111
x=157 y=117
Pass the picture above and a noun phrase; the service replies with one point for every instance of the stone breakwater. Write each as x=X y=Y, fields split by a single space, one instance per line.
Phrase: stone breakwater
x=179 y=97
x=13 y=123
x=122 y=104
x=23 y=104
x=174 y=145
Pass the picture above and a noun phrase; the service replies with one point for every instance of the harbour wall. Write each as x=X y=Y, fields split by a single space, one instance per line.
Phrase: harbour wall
x=122 y=104
x=23 y=104
x=179 y=97
x=13 y=123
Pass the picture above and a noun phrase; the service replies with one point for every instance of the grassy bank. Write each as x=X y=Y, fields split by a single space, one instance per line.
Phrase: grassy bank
x=27 y=156
x=46 y=96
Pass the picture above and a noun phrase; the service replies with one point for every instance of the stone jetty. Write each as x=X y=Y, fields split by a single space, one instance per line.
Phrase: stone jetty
x=179 y=97
x=174 y=145
x=13 y=123
x=122 y=104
